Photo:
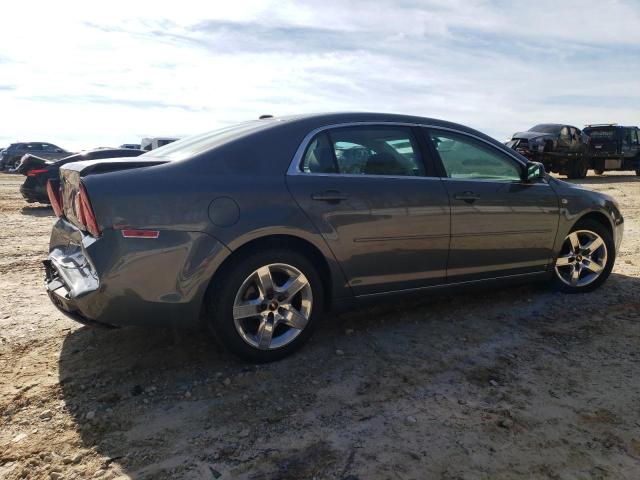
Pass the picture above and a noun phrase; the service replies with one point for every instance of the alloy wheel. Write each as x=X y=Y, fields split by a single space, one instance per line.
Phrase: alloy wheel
x=582 y=259
x=272 y=306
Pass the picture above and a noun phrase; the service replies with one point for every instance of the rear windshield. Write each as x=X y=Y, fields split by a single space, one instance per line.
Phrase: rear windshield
x=545 y=128
x=603 y=134
x=196 y=144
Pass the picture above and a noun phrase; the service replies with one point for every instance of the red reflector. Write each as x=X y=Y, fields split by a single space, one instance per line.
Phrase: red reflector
x=36 y=171
x=130 y=233
x=53 y=192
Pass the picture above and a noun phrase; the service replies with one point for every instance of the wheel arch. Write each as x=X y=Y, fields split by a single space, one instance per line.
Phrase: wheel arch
x=598 y=217
x=295 y=243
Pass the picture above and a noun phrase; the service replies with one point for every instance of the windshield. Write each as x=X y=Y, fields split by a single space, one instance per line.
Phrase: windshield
x=196 y=144
x=546 y=128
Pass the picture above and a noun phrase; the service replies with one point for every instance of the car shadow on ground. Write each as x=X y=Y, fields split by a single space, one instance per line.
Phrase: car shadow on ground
x=140 y=397
x=38 y=211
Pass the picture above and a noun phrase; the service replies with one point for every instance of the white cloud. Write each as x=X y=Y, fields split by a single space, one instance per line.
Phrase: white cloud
x=83 y=74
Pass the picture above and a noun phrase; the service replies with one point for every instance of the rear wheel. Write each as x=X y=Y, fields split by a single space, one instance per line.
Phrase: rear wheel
x=266 y=304
x=585 y=259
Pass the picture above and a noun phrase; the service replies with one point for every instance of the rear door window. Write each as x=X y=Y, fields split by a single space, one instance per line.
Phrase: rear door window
x=367 y=150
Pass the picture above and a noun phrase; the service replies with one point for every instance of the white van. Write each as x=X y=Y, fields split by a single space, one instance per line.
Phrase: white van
x=152 y=143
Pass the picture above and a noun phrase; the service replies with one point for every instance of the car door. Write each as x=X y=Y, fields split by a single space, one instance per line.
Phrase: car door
x=368 y=191
x=500 y=225
x=635 y=147
x=575 y=141
x=564 y=142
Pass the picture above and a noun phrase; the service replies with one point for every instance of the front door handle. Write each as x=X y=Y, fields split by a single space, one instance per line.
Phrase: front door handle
x=468 y=197
x=331 y=196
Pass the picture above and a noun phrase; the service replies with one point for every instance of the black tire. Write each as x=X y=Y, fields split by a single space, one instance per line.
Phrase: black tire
x=578 y=169
x=599 y=172
x=605 y=235
x=222 y=295
x=638 y=172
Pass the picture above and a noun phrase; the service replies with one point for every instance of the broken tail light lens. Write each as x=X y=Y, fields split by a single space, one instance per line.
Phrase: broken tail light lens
x=53 y=192
x=86 y=216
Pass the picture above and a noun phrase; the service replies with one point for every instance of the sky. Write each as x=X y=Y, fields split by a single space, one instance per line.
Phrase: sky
x=93 y=74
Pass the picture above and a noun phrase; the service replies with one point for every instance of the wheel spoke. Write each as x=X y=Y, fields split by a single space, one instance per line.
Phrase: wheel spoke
x=593 y=266
x=594 y=244
x=575 y=276
x=248 y=309
x=265 y=282
x=564 y=261
x=294 y=319
x=575 y=241
x=265 y=332
x=293 y=286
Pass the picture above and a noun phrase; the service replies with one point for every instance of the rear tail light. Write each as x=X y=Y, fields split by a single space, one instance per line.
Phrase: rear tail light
x=36 y=171
x=85 y=213
x=53 y=192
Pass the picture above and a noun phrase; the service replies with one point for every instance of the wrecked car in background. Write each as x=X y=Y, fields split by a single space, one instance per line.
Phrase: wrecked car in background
x=562 y=149
x=40 y=170
x=614 y=147
x=13 y=154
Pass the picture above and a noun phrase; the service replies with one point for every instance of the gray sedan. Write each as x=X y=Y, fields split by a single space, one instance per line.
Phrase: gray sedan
x=257 y=229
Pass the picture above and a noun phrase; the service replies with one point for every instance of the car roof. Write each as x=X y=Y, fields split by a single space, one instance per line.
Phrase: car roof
x=594 y=127
x=312 y=121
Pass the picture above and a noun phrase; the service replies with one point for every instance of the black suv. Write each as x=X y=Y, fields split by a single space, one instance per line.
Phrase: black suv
x=11 y=156
x=614 y=147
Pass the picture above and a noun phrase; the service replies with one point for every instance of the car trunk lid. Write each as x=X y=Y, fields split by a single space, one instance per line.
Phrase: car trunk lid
x=72 y=187
x=31 y=162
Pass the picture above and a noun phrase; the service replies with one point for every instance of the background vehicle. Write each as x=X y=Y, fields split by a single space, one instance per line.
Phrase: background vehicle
x=560 y=148
x=149 y=144
x=133 y=146
x=614 y=147
x=39 y=170
x=13 y=154
x=257 y=228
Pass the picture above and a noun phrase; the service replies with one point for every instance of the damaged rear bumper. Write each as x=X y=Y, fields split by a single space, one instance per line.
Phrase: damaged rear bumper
x=59 y=294
x=118 y=281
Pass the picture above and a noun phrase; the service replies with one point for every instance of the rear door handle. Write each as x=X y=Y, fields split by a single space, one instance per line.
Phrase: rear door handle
x=468 y=197
x=331 y=196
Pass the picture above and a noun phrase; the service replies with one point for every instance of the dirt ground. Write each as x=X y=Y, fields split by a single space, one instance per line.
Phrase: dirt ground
x=514 y=383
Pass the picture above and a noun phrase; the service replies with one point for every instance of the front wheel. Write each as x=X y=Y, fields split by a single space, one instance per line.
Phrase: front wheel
x=586 y=258
x=266 y=304
x=599 y=172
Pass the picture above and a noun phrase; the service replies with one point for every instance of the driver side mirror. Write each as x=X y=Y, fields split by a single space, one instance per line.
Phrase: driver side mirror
x=533 y=171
